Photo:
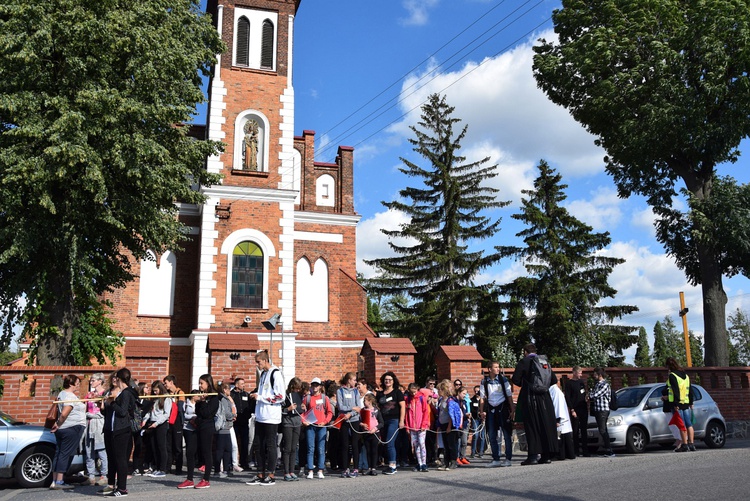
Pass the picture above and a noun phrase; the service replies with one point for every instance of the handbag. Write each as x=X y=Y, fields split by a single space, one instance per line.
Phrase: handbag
x=51 y=418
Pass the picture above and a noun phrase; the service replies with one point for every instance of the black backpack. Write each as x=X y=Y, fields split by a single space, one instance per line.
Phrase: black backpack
x=541 y=375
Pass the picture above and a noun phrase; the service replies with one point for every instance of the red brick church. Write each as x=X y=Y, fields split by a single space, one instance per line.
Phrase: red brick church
x=276 y=236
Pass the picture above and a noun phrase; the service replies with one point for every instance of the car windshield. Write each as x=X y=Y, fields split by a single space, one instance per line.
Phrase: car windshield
x=630 y=397
x=11 y=421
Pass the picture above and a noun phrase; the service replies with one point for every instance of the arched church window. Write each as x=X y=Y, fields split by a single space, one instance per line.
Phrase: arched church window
x=247 y=276
x=242 y=50
x=266 y=53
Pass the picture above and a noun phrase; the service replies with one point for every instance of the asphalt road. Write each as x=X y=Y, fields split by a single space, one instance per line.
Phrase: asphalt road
x=705 y=475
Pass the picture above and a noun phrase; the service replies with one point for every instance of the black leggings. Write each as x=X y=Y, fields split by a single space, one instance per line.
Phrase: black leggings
x=266 y=435
x=191 y=450
x=159 y=446
x=117 y=445
x=349 y=434
x=291 y=443
x=371 y=448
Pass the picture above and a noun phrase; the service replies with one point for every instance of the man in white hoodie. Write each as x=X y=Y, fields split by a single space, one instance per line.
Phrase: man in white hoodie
x=269 y=397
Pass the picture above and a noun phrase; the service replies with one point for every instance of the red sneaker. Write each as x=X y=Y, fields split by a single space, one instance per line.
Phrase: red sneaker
x=466 y=461
x=203 y=484
x=202 y=469
x=187 y=484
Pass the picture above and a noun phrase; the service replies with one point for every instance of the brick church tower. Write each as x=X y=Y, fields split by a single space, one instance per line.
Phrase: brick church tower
x=276 y=236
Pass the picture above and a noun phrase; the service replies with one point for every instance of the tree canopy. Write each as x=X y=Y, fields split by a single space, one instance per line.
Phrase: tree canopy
x=665 y=87
x=447 y=208
x=93 y=156
x=566 y=281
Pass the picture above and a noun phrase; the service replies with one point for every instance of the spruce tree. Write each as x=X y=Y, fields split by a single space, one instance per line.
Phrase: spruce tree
x=668 y=342
x=567 y=278
x=642 y=352
x=446 y=211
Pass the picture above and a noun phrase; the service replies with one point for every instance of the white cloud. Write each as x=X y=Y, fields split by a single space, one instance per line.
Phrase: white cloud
x=643 y=220
x=373 y=243
x=602 y=211
x=501 y=104
x=418 y=12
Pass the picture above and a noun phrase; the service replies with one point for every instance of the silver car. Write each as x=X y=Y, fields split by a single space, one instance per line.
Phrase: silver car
x=26 y=453
x=640 y=419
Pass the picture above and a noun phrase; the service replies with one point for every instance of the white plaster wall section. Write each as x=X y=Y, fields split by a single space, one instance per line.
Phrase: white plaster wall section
x=217 y=106
x=262 y=241
x=207 y=266
x=313 y=236
x=323 y=218
x=199 y=340
x=156 y=284
x=325 y=191
x=312 y=291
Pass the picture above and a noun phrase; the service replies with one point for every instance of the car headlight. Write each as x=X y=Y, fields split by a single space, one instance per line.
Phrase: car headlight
x=615 y=421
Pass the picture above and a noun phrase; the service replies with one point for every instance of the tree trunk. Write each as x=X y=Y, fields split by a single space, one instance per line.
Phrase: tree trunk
x=714 y=310
x=54 y=348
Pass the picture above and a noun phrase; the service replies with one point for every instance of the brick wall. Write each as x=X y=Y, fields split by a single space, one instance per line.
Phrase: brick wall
x=470 y=373
x=27 y=396
x=148 y=369
x=331 y=363
x=375 y=364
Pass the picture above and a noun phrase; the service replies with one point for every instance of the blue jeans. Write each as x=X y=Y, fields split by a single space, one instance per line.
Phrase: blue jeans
x=687 y=415
x=494 y=423
x=477 y=443
x=389 y=432
x=316 y=438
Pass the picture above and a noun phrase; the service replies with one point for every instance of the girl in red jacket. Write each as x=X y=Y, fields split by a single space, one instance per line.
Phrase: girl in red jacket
x=417 y=421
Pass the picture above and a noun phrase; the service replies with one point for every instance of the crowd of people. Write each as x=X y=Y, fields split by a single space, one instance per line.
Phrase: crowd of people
x=311 y=429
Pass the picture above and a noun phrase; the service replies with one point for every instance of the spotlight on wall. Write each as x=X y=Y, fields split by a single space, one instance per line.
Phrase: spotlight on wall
x=234 y=356
x=248 y=319
x=395 y=358
x=270 y=324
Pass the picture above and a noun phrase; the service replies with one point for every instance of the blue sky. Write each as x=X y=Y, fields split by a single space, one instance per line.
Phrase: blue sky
x=361 y=71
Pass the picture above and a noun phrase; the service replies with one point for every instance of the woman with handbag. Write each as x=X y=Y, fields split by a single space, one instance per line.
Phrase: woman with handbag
x=68 y=429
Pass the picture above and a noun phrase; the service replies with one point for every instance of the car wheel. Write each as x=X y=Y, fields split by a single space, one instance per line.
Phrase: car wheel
x=34 y=466
x=716 y=435
x=636 y=439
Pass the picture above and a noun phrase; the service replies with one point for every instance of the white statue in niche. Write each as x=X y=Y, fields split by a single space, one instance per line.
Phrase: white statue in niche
x=250 y=141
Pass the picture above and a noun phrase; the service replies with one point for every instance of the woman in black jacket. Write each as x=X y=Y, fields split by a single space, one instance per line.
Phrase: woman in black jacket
x=205 y=412
x=118 y=415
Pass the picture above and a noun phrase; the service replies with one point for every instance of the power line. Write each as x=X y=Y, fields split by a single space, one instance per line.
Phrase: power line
x=385 y=108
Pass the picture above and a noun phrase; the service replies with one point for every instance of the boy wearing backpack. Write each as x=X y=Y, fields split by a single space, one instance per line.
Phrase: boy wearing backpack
x=269 y=398
x=496 y=403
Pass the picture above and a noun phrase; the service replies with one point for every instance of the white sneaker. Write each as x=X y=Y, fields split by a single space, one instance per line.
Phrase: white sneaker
x=506 y=463
x=310 y=474
x=494 y=464
x=320 y=474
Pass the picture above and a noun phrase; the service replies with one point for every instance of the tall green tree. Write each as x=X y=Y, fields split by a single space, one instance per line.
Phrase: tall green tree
x=642 y=352
x=739 y=332
x=665 y=88
x=668 y=342
x=92 y=156
x=567 y=279
x=488 y=333
x=447 y=210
